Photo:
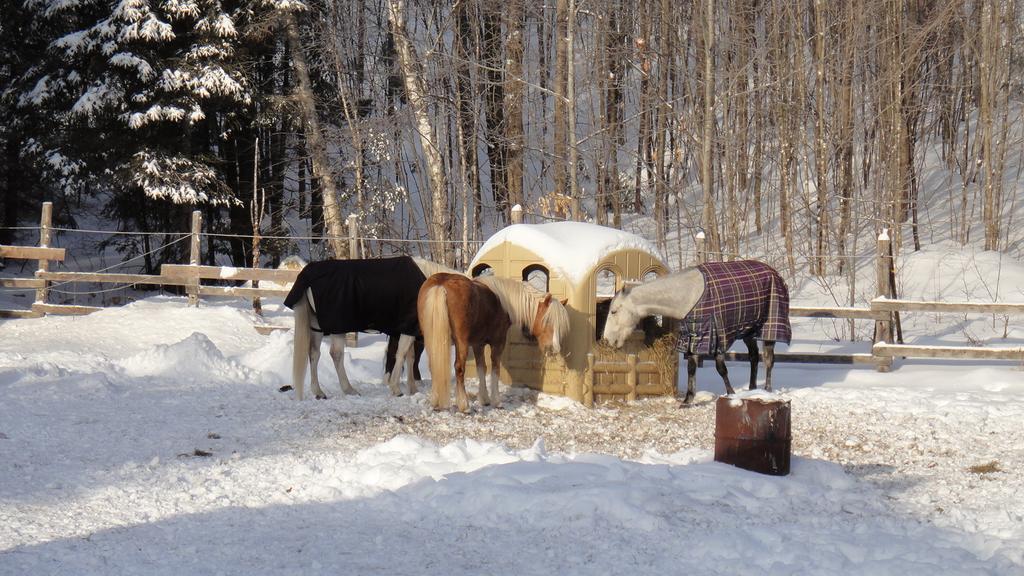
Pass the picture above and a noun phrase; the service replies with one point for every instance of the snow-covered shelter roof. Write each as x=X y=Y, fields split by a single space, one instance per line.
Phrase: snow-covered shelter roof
x=572 y=249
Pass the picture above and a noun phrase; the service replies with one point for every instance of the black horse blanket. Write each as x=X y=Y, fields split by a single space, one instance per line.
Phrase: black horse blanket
x=741 y=299
x=362 y=295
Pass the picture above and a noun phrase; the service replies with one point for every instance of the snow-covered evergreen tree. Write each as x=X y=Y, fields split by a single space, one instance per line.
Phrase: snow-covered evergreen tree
x=134 y=89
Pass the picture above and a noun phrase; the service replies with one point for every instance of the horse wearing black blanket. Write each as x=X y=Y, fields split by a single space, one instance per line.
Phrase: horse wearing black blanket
x=717 y=303
x=335 y=297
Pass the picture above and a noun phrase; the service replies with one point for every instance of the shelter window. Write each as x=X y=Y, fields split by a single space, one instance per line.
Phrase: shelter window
x=650 y=275
x=607 y=280
x=482 y=270
x=536 y=276
x=654 y=327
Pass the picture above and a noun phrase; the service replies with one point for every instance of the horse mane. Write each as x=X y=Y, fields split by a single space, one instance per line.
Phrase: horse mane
x=429 y=267
x=521 y=300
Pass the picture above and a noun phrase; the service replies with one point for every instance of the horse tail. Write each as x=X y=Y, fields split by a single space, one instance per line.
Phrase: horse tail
x=434 y=323
x=300 y=347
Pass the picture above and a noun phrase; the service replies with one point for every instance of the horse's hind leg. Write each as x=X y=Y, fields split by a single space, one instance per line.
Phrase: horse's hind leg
x=338 y=356
x=481 y=375
x=723 y=371
x=404 y=347
x=418 y=353
x=314 y=358
x=496 y=350
x=391 y=360
x=769 y=362
x=461 y=398
x=412 y=371
x=691 y=377
x=751 y=343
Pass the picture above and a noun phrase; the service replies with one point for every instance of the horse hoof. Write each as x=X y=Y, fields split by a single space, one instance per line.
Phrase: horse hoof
x=284 y=388
x=321 y=397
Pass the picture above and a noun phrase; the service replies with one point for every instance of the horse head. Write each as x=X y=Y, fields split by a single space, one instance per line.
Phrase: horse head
x=550 y=324
x=622 y=319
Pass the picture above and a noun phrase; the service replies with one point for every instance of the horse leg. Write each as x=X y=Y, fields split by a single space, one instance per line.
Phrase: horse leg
x=418 y=350
x=391 y=358
x=314 y=359
x=338 y=356
x=723 y=371
x=691 y=377
x=481 y=374
x=769 y=362
x=496 y=350
x=751 y=343
x=404 y=346
x=461 y=398
x=411 y=369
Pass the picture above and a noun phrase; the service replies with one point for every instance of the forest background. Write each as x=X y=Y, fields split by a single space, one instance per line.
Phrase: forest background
x=795 y=131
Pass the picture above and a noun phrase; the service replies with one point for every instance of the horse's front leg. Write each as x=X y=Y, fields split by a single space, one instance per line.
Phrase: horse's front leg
x=314 y=359
x=461 y=398
x=769 y=362
x=691 y=378
x=404 y=347
x=481 y=375
x=723 y=371
x=338 y=357
x=751 y=343
x=496 y=350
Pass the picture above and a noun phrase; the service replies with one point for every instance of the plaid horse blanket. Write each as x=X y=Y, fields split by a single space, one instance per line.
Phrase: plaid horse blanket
x=741 y=299
x=362 y=295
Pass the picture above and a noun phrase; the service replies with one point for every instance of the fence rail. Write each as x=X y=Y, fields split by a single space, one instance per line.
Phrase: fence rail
x=881 y=309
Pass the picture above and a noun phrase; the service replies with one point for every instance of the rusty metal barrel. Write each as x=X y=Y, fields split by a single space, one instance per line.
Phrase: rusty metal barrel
x=753 y=433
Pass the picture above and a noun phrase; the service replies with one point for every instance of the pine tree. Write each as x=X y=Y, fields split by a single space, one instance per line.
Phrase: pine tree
x=128 y=89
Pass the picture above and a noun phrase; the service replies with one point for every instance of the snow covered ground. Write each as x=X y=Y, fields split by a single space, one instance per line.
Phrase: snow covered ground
x=151 y=439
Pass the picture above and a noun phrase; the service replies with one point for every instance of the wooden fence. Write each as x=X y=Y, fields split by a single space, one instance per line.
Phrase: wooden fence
x=191 y=276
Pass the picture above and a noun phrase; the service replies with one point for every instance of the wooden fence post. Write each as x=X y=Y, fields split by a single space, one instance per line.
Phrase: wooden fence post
x=353 y=236
x=352 y=338
x=45 y=235
x=883 y=328
x=517 y=214
x=192 y=288
x=699 y=243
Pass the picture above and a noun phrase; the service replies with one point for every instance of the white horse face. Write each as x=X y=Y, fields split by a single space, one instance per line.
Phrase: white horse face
x=622 y=319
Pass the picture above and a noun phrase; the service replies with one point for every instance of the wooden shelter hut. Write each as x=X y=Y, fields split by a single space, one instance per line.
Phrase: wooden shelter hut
x=584 y=264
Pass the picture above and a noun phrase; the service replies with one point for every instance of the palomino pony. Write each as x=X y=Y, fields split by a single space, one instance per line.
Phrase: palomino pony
x=477 y=313
x=718 y=303
x=335 y=297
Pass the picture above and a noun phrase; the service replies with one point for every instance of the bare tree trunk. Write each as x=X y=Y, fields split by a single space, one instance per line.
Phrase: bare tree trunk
x=465 y=104
x=572 y=171
x=611 y=45
x=494 y=102
x=514 y=94
x=315 y=140
x=706 y=164
x=412 y=76
x=849 y=18
x=660 y=173
x=561 y=120
x=820 y=153
x=991 y=39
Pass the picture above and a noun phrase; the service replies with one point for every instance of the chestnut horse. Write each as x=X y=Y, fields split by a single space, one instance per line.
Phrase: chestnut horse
x=478 y=313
